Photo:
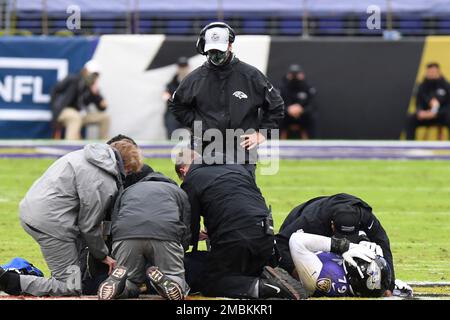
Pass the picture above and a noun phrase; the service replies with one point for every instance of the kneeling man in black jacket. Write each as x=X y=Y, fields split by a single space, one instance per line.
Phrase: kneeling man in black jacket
x=238 y=225
x=149 y=228
x=341 y=216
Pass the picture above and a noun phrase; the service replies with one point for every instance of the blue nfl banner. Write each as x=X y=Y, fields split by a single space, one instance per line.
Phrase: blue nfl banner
x=29 y=68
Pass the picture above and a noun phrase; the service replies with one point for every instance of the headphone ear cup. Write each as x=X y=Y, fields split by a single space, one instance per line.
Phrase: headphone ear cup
x=232 y=35
x=201 y=45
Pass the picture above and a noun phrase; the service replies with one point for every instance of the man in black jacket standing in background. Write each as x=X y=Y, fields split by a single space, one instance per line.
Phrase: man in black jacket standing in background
x=432 y=102
x=298 y=95
x=170 y=122
x=226 y=93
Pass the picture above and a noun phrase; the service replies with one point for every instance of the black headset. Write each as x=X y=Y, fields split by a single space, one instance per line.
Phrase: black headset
x=201 y=38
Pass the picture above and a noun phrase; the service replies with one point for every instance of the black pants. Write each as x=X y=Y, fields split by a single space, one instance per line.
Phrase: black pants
x=234 y=267
x=195 y=263
x=171 y=123
x=413 y=123
x=251 y=168
x=307 y=122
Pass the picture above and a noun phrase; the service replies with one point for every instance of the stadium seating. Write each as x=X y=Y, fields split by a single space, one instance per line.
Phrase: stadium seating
x=363 y=30
x=257 y=26
x=443 y=26
x=410 y=26
x=178 y=27
x=290 y=26
x=145 y=26
x=103 y=26
x=330 y=26
x=173 y=17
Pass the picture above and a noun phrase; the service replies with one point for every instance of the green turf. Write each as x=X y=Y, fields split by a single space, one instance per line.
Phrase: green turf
x=411 y=199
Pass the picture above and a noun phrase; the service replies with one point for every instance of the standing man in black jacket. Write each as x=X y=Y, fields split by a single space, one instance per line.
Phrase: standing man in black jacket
x=170 y=122
x=238 y=224
x=226 y=93
x=340 y=215
x=298 y=95
x=432 y=102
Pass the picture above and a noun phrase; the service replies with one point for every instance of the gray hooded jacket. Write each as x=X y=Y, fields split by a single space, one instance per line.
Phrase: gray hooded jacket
x=71 y=198
x=153 y=208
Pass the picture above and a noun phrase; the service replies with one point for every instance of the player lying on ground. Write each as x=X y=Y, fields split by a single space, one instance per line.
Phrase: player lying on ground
x=341 y=215
x=335 y=267
x=150 y=227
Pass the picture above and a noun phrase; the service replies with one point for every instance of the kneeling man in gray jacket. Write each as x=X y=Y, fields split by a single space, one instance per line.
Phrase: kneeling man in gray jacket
x=150 y=232
x=63 y=212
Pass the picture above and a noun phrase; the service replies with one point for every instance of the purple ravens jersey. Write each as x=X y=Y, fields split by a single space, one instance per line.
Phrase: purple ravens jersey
x=332 y=281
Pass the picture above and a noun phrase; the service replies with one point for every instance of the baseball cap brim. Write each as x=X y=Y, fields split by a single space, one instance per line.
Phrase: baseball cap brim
x=216 y=46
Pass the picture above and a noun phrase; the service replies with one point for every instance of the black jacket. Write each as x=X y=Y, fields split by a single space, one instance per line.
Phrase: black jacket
x=228 y=97
x=315 y=215
x=226 y=196
x=135 y=177
x=298 y=92
x=156 y=208
x=429 y=89
x=73 y=91
x=172 y=86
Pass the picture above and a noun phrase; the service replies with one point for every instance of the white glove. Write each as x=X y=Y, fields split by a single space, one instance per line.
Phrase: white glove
x=402 y=289
x=358 y=251
x=372 y=246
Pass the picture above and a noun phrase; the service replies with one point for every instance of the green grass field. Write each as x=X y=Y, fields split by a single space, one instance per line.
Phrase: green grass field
x=410 y=198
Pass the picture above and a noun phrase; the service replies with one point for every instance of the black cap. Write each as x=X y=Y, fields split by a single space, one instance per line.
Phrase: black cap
x=295 y=68
x=182 y=62
x=346 y=221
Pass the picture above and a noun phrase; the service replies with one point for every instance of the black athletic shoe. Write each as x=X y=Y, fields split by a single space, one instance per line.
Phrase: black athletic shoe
x=166 y=287
x=277 y=283
x=114 y=285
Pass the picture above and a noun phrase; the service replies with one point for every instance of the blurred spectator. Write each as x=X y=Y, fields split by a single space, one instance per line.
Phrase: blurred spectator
x=432 y=102
x=170 y=121
x=71 y=98
x=298 y=95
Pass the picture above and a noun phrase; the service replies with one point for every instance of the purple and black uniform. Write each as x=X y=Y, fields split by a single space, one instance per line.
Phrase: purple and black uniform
x=332 y=281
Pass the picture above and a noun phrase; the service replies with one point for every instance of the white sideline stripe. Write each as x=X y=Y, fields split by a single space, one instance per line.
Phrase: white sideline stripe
x=263 y=147
x=363 y=143
x=53 y=151
x=25 y=115
x=429 y=283
x=396 y=189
